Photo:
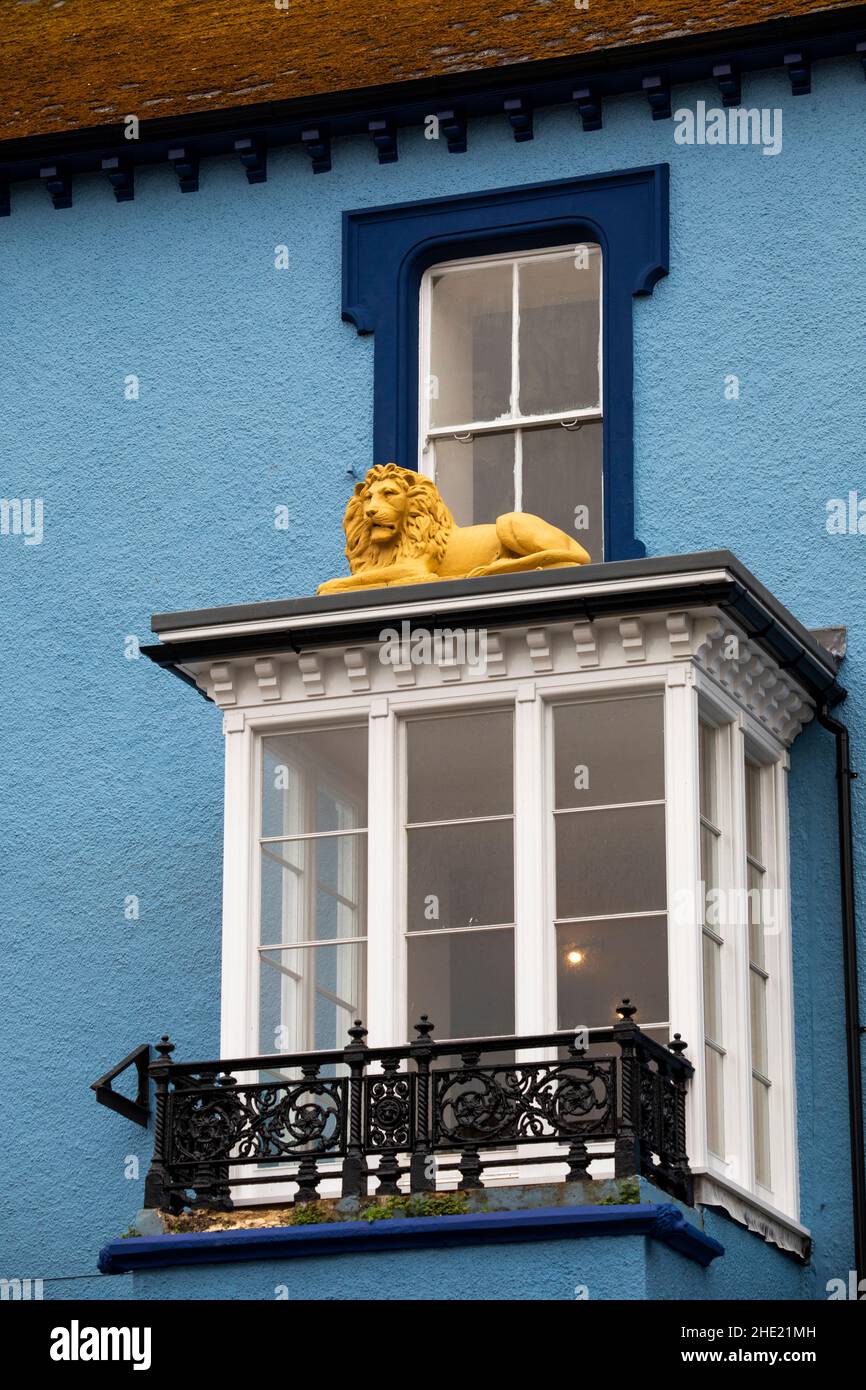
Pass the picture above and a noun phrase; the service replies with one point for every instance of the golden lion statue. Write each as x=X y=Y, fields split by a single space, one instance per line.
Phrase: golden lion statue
x=399 y=531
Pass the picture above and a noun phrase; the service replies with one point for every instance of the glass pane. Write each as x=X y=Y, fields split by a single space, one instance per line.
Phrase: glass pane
x=753 y=810
x=712 y=989
x=710 y=879
x=756 y=915
x=476 y=476
x=470 y=348
x=610 y=862
x=715 y=1102
x=310 y=997
x=707 y=750
x=562 y=481
x=758 y=1018
x=607 y=751
x=460 y=766
x=314 y=781
x=460 y=875
x=559 y=332
x=464 y=983
x=598 y=964
x=314 y=890
x=761 y=1125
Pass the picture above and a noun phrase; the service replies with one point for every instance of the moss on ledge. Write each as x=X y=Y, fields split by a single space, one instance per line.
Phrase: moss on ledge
x=625 y=1192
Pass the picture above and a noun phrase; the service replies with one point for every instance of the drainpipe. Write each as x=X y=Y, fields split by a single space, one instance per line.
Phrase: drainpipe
x=853 y=1030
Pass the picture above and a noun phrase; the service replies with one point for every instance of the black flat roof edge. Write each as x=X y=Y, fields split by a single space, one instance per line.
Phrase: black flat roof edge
x=763 y=617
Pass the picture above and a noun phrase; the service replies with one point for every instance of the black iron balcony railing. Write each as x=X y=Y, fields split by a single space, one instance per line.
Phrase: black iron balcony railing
x=414 y=1111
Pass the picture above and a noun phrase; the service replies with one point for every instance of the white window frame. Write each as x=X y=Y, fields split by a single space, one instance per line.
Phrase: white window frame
x=688 y=694
x=513 y=421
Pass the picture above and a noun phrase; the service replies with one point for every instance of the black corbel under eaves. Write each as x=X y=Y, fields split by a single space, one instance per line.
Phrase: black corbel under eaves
x=317 y=142
x=384 y=135
x=589 y=107
x=800 y=72
x=452 y=124
x=253 y=155
x=728 y=78
x=185 y=164
x=658 y=94
x=59 y=185
x=519 y=114
x=121 y=176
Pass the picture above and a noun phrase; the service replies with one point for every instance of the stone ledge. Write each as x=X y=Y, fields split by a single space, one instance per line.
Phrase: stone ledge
x=664 y=1222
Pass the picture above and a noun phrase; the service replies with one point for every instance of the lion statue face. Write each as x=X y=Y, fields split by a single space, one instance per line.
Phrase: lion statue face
x=394 y=514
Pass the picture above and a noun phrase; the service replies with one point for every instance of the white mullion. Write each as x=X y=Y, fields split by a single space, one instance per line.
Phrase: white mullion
x=685 y=911
x=532 y=947
x=240 y=984
x=515 y=338
x=780 y=1037
x=385 y=973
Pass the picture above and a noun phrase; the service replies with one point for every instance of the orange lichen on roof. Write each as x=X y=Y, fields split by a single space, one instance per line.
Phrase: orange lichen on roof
x=70 y=64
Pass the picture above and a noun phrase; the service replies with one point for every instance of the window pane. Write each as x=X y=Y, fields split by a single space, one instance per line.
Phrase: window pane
x=712 y=989
x=460 y=875
x=559 y=332
x=610 y=862
x=758 y=1017
x=470 y=349
x=756 y=915
x=460 y=766
x=710 y=878
x=598 y=964
x=562 y=481
x=476 y=476
x=314 y=781
x=464 y=983
x=761 y=1125
x=608 y=751
x=708 y=785
x=753 y=810
x=715 y=1102
x=310 y=997
x=314 y=890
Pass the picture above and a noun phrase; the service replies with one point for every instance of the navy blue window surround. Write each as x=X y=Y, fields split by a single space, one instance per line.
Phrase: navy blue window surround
x=387 y=249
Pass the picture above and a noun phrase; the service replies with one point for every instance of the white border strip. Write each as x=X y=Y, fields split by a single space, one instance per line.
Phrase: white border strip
x=400 y=610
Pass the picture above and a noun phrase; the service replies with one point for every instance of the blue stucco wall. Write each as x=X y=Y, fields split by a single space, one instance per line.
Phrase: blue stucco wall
x=253 y=394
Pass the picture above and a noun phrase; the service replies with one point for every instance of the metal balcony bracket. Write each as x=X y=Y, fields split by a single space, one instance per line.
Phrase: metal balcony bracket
x=137 y=1110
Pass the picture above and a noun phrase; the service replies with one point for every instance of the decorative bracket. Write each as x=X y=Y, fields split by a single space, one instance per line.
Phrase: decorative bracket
x=658 y=94
x=253 y=155
x=185 y=164
x=800 y=73
x=519 y=114
x=453 y=126
x=121 y=176
x=317 y=143
x=589 y=107
x=730 y=86
x=384 y=134
x=59 y=185
x=137 y=1110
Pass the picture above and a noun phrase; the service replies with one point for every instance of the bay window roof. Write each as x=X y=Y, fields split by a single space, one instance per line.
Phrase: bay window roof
x=711 y=581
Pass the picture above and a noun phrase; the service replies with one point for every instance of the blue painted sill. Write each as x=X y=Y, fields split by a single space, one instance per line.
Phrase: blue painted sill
x=659 y=1221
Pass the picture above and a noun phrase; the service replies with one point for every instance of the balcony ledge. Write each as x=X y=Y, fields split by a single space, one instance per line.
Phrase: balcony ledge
x=658 y=1221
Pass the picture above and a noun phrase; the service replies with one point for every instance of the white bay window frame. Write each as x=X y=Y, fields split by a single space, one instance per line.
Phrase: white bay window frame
x=690 y=691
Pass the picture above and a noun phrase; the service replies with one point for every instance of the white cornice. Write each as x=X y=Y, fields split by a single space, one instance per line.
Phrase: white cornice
x=669 y=644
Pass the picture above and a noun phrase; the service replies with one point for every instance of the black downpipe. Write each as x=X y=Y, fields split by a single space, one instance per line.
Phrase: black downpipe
x=844 y=777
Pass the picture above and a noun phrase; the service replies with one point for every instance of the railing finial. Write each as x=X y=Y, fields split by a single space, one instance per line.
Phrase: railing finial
x=677 y=1045
x=626 y=1010
x=424 y=1027
x=165 y=1047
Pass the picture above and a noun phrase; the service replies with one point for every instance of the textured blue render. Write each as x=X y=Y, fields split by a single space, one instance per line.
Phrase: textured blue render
x=387 y=249
x=255 y=393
